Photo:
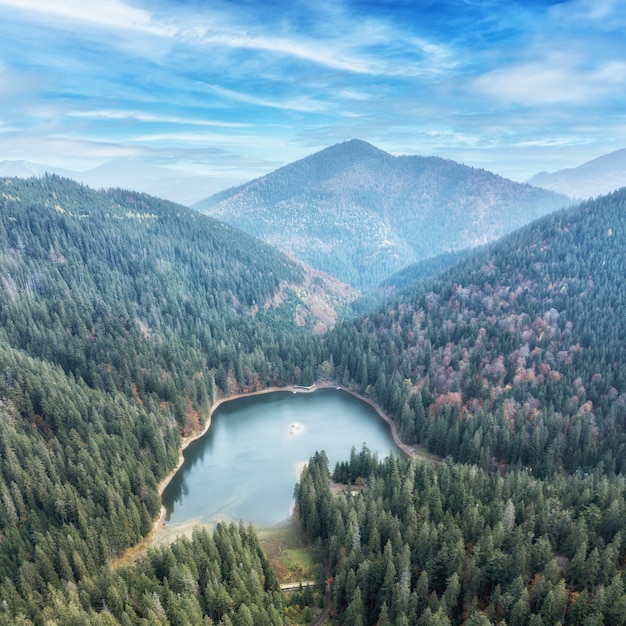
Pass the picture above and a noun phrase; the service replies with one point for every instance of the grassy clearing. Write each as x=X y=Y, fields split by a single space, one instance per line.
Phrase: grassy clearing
x=288 y=552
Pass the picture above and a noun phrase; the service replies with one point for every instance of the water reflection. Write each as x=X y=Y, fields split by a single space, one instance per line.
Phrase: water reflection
x=247 y=464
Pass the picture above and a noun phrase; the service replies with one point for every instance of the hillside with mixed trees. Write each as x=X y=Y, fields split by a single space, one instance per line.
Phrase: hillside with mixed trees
x=122 y=319
x=512 y=367
x=515 y=357
x=361 y=214
x=422 y=271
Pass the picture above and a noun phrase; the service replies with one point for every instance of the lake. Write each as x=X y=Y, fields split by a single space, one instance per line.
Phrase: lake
x=247 y=464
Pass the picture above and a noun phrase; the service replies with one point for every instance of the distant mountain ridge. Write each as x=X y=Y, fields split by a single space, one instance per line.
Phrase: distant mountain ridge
x=26 y=169
x=361 y=214
x=135 y=174
x=593 y=178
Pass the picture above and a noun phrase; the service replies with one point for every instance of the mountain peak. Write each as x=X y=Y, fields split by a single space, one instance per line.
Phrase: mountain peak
x=358 y=145
x=355 y=148
x=361 y=214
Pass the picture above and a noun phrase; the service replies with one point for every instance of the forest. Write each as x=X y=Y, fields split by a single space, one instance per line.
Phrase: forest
x=407 y=543
x=361 y=214
x=511 y=367
x=513 y=358
x=124 y=317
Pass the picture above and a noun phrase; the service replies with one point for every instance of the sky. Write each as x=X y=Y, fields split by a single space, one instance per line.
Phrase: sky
x=234 y=90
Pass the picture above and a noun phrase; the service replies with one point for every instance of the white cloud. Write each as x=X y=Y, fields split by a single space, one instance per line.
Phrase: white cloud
x=556 y=80
x=14 y=84
x=333 y=37
x=131 y=67
x=187 y=138
x=328 y=55
x=341 y=46
x=114 y=114
x=605 y=12
x=63 y=151
x=302 y=104
x=103 y=13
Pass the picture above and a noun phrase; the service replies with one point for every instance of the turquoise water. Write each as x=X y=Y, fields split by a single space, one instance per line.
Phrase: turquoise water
x=246 y=466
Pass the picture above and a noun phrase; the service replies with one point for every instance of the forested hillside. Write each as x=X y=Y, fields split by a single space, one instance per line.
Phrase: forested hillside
x=415 y=545
x=512 y=366
x=422 y=270
x=517 y=356
x=122 y=318
x=361 y=214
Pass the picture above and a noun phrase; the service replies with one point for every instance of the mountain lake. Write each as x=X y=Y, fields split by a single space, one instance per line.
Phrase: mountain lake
x=245 y=467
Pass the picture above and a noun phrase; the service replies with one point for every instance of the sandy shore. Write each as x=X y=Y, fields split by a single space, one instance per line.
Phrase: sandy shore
x=154 y=537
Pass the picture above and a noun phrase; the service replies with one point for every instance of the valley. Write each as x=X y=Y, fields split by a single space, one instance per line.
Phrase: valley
x=126 y=319
x=312 y=313
x=360 y=214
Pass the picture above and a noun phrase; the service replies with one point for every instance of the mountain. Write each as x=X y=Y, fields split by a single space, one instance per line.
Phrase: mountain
x=594 y=178
x=27 y=169
x=525 y=337
x=422 y=270
x=157 y=180
x=122 y=319
x=511 y=368
x=130 y=173
x=361 y=214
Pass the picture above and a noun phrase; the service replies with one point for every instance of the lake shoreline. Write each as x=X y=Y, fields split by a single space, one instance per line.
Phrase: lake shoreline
x=134 y=552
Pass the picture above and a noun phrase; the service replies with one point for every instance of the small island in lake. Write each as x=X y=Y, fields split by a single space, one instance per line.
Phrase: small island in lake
x=295 y=428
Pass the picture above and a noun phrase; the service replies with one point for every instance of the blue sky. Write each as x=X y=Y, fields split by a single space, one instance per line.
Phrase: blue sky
x=232 y=90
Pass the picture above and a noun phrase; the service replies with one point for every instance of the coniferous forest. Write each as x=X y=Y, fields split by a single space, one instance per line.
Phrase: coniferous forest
x=512 y=368
x=124 y=317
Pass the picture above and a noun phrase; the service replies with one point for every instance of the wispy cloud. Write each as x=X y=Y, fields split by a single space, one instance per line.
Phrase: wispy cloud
x=113 y=114
x=598 y=14
x=303 y=104
x=555 y=80
x=347 y=52
x=104 y=14
x=490 y=81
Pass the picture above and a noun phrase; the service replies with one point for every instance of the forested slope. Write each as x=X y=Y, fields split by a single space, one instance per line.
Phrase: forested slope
x=513 y=367
x=122 y=318
x=517 y=356
x=422 y=270
x=361 y=214
x=416 y=545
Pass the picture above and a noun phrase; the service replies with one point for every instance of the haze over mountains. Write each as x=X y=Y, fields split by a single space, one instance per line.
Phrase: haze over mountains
x=171 y=184
x=598 y=176
x=361 y=214
x=593 y=178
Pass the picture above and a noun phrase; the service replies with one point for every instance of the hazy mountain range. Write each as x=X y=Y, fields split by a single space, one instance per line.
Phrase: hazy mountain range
x=134 y=174
x=596 y=177
x=124 y=317
x=360 y=214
